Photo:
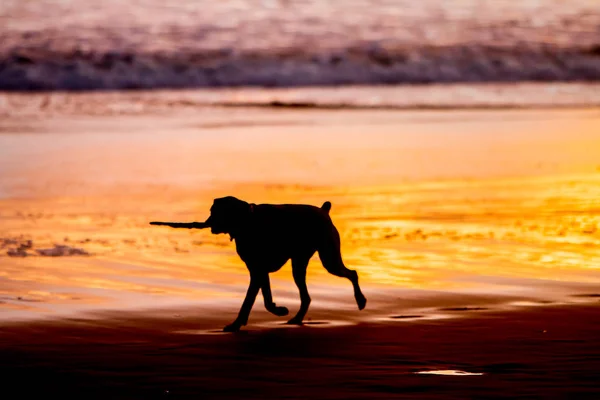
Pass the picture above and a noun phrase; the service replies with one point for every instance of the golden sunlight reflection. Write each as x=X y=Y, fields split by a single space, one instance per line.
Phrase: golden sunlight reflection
x=430 y=240
x=419 y=232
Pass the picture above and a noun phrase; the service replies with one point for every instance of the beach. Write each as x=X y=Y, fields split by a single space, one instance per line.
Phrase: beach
x=474 y=232
x=548 y=352
x=457 y=142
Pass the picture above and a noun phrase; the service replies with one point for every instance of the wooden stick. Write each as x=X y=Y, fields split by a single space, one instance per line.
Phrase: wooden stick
x=185 y=225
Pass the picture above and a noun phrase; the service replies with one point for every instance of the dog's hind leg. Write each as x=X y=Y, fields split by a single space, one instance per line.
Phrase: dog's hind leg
x=299 y=266
x=331 y=258
x=268 y=298
x=251 y=294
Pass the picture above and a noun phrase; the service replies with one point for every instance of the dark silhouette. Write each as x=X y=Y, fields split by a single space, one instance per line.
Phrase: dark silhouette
x=186 y=225
x=266 y=237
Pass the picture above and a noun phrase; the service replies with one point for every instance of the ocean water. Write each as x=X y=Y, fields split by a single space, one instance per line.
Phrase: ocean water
x=78 y=45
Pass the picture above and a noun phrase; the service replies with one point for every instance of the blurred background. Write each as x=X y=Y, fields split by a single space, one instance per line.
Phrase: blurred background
x=145 y=44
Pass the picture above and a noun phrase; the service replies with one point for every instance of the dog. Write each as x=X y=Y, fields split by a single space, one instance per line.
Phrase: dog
x=266 y=237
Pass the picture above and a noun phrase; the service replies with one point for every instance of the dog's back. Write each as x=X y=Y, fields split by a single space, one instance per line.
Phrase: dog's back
x=284 y=230
x=299 y=218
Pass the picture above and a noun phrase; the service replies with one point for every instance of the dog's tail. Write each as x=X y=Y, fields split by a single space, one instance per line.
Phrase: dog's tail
x=326 y=207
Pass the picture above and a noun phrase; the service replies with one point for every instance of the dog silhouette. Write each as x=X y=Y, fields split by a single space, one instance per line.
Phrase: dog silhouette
x=266 y=237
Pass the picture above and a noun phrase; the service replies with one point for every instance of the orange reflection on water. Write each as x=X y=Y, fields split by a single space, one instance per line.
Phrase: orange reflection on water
x=439 y=238
x=430 y=228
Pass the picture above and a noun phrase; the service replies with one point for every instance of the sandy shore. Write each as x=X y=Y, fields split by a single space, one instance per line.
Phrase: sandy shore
x=547 y=352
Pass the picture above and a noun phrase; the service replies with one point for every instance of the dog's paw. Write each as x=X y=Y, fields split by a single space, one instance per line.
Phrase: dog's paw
x=361 y=301
x=281 y=311
x=234 y=327
x=295 y=321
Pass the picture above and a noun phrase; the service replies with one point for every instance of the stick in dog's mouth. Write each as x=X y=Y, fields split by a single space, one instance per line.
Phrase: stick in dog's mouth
x=183 y=225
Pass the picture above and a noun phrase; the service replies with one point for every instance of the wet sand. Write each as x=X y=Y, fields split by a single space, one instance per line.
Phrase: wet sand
x=547 y=352
x=496 y=201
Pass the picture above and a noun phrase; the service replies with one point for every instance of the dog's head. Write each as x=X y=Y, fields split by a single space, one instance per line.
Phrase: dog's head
x=227 y=214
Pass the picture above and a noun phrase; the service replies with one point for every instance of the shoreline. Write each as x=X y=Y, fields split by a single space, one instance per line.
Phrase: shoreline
x=435 y=97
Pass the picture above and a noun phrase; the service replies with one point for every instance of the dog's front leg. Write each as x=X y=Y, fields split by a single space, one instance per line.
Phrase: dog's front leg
x=268 y=297
x=242 y=318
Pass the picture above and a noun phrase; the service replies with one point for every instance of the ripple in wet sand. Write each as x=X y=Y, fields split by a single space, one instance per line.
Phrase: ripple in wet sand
x=412 y=317
x=531 y=303
x=464 y=309
x=327 y=323
x=449 y=372
x=406 y=316
x=275 y=324
x=203 y=332
x=311 y=323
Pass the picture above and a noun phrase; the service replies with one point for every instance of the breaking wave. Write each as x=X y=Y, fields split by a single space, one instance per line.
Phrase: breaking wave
x=145 y=44
x=79 y=70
